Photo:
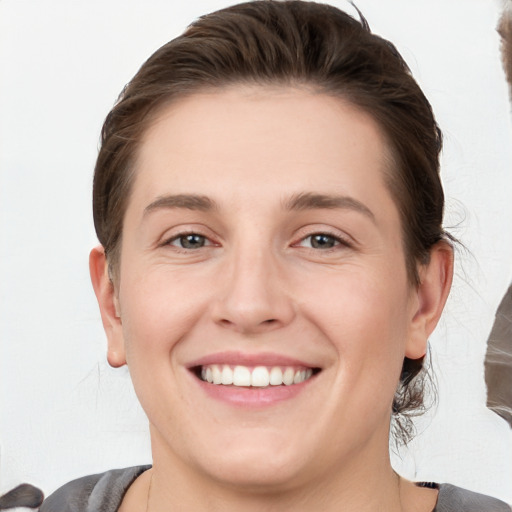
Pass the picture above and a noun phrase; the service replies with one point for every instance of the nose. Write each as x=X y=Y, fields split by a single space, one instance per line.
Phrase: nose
x=253 y=296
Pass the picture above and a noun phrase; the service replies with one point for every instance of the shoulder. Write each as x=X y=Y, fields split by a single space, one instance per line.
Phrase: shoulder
x=103 y=491
x=452 y=498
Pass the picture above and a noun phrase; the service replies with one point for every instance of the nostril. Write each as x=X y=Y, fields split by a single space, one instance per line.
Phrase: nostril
x=248 y=323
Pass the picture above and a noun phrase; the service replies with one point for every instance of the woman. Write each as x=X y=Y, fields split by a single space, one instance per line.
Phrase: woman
x=272 y=263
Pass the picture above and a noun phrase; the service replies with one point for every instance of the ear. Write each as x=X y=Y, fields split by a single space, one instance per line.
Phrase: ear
x=430 y=297
x=109 y=306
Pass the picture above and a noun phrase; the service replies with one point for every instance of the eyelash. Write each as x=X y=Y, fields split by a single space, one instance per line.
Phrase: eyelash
x=180 y=237
x=337 y=241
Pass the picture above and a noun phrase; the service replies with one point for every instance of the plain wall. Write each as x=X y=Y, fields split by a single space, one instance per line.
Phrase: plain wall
x=64 y=412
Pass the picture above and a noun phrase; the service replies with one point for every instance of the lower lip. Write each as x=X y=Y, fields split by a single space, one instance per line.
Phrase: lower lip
x=253 y=396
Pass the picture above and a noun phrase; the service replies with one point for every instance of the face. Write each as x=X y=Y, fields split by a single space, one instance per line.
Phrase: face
x=263 y=301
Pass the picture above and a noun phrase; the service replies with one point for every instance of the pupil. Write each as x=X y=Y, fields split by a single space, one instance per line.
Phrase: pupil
x=322 y=241
x=192 y=241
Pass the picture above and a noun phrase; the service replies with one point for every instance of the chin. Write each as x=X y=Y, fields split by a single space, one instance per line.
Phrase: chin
x=261 y=472
x=256 y=461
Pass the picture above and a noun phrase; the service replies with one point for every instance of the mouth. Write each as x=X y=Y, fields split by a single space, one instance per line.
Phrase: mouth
x=252 y=380
x=253 y=376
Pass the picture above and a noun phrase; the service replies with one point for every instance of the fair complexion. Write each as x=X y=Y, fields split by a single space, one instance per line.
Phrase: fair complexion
x=260 y=234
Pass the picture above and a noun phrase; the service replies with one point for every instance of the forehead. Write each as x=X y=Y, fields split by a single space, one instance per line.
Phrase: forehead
x=258 y=136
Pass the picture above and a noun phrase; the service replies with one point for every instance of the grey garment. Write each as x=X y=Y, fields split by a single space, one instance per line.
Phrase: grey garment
x=105 y=492
x=94 y=493
x=455 y=499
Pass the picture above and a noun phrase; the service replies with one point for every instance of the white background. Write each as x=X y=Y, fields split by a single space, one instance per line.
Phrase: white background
x=64 y=412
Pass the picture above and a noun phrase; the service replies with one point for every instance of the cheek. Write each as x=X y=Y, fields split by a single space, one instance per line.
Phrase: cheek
x=157 y=313
x=158 y=309
x=365 y=317
x=358 y=302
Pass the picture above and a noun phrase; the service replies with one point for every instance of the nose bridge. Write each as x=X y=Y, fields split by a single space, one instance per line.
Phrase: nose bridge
x=253 y=298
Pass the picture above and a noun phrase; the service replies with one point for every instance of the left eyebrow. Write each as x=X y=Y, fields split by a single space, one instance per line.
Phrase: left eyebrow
x=312 y=201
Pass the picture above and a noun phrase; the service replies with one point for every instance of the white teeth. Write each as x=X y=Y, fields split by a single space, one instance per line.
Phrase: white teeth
x=276 y=376
x=288 y=376
x=242 y=376
x=227 y=375
x=259 y=376
x=217 y=374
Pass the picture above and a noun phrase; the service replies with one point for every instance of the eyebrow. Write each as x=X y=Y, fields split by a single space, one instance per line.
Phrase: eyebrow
x=312 y=201
x=297 y=202
x=187 y=201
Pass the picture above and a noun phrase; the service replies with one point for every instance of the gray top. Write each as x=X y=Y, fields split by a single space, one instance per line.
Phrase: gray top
x=104 y=493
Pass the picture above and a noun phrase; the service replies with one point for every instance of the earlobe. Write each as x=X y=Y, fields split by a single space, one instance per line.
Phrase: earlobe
x=109 y=306
x=431 y=294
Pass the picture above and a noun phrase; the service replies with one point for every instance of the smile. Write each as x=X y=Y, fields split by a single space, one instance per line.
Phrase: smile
x=258 y=376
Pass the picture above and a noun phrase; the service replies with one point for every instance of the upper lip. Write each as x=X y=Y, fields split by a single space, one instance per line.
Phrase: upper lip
x=245 y=359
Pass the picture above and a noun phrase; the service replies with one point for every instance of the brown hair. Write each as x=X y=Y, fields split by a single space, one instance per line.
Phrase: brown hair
x=287 y=43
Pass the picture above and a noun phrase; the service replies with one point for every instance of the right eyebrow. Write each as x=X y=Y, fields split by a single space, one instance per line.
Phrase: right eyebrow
x=187 y=201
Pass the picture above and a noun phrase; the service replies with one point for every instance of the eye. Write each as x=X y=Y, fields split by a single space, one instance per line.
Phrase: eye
x=189 y=241
x=321 y=241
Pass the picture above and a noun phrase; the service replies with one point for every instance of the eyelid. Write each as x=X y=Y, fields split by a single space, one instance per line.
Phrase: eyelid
x=342 y=238
x=175 y=233
x=208 y=242
x=337 y=242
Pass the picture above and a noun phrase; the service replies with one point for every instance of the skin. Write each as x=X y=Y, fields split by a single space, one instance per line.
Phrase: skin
x=260 y=285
